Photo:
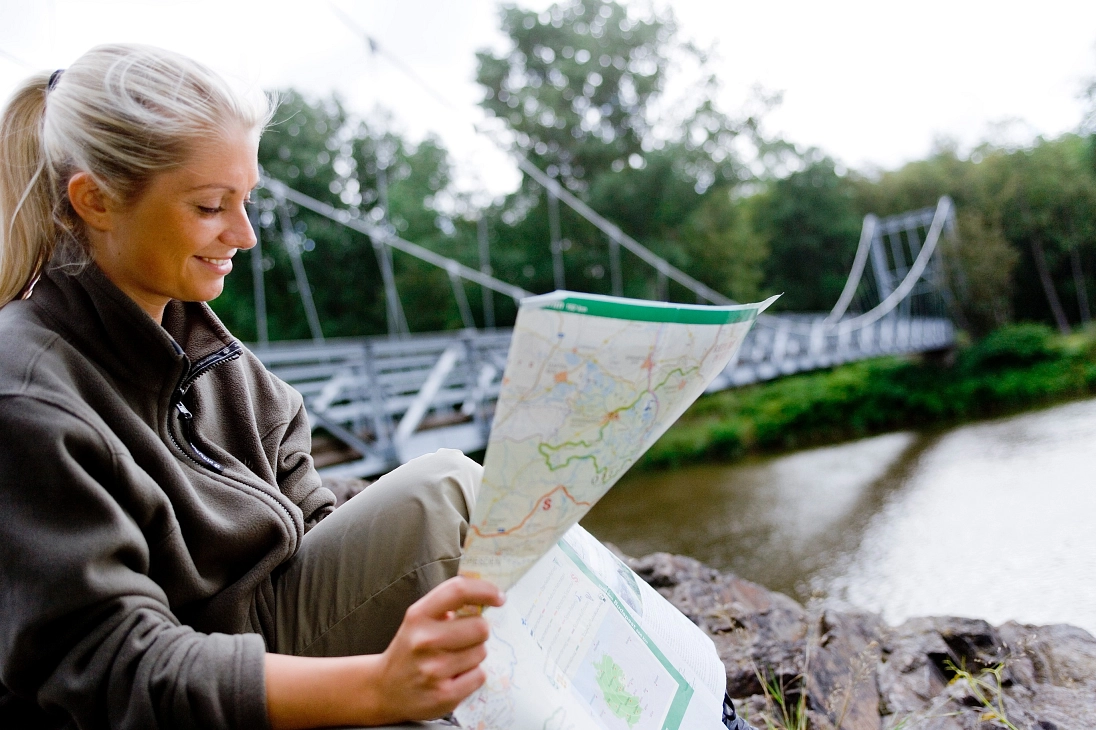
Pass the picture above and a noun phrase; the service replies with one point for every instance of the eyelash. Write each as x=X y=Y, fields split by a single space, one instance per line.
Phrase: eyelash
x=207 y=211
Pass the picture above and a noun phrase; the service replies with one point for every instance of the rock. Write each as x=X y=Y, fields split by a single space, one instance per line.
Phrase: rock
x=857 y=673
x=841 y=673
x=756 y=631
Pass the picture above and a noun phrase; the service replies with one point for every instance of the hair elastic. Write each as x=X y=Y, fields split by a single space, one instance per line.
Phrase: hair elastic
x=53 y=78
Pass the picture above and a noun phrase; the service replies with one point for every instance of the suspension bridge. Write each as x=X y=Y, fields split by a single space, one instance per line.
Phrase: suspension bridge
x=386 y=399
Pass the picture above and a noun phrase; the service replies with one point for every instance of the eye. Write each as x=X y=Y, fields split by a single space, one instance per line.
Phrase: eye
x=205 y=210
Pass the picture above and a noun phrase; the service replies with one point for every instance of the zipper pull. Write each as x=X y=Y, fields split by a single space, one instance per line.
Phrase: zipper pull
x=186 y=419
x=185 y=416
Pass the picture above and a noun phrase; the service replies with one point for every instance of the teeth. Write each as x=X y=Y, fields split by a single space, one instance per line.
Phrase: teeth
x=216 y=262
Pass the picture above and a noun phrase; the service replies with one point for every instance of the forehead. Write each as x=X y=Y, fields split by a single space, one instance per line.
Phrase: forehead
x=228 y=160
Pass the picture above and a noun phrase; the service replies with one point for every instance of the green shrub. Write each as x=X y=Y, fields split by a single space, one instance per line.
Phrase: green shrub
x=1016 y=367
x=1013 y=346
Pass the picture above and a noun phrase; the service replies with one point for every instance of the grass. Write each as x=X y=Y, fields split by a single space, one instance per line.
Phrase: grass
x=986 y=688
x=787 y=701
x=1013 y=369
x=787 y=704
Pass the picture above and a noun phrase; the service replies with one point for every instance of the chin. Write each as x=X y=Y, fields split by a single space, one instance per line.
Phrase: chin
x=206 y=293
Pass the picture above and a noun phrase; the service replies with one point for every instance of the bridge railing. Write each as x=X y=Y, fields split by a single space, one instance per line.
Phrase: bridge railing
x=391 y=400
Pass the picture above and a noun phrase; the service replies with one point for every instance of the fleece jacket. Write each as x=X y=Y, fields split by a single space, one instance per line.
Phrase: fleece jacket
x=151 y=479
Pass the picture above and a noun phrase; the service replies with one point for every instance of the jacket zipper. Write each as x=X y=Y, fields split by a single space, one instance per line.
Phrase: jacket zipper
x=186 y=418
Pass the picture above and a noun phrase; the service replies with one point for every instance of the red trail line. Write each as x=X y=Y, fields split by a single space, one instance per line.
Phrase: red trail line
x=540 y=501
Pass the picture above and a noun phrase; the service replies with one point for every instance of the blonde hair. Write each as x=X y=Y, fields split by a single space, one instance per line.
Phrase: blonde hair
x=121 y=113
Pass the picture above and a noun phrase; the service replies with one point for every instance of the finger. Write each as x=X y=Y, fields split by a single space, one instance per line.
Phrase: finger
x=462 y=685
x=455 y=663
x=459 y=633
x=457 y=592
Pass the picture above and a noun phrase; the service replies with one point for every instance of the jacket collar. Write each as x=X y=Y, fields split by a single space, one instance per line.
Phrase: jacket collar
x=100 y=319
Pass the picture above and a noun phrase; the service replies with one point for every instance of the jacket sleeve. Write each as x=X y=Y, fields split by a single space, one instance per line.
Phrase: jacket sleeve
x=84 y=631
x=291 y=444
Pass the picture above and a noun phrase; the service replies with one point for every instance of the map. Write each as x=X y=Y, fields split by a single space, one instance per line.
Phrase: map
x=567 y=653
x=610 y=680
x=590 y=384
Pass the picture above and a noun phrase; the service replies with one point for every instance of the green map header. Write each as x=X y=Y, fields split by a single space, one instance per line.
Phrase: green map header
x=641 y=310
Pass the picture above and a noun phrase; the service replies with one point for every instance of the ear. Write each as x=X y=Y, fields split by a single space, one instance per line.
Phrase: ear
x=90 y=202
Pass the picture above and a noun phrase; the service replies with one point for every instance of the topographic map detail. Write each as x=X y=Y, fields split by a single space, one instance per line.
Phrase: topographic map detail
x=590 y=383
x=610 y=679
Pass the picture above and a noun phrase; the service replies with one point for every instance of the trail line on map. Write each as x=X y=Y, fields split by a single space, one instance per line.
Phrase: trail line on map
x=539 y=506
x=613 y=415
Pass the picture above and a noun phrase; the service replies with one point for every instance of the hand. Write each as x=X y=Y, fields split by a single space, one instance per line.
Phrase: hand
x=430 y=666
x=433 y=661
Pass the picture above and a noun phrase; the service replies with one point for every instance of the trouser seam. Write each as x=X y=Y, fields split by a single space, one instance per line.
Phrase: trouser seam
x=370 y=598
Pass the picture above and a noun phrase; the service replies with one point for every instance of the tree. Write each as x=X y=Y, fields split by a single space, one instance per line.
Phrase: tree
x=582 y=92
x=810 y=224
x=315 y=147
x=1027 y=224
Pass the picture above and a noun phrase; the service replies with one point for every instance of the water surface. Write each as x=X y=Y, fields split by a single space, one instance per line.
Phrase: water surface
x=995 y=520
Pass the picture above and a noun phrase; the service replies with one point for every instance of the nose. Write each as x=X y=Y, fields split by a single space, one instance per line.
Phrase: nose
x=239 y=233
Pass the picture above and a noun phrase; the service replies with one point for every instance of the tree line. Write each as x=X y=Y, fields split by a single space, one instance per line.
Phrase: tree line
x=582 y=93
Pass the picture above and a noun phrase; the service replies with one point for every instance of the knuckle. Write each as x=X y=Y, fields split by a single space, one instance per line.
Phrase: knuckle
x=421 y=642
x=476 y=678
x=433 y=670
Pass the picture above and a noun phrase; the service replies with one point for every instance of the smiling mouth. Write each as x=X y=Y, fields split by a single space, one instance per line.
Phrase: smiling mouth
x=216 y=262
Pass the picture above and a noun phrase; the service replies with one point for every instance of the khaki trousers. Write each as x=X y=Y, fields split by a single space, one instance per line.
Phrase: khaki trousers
x=346 y=589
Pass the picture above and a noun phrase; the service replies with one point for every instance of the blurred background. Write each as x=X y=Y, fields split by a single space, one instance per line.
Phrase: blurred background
x=742 y=146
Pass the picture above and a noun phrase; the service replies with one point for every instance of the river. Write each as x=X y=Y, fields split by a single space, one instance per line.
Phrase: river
x=994 y=520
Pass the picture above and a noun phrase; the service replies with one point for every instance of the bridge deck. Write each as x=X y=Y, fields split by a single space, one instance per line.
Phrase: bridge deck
x=392 y=399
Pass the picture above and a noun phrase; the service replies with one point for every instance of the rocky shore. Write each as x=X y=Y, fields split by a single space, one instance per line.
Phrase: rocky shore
x=796 y=668
x=791 y=667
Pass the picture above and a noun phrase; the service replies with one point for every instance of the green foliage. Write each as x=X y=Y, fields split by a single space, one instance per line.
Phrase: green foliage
x=787 y=702
x=576 y=84
x=1010 y=347
x=1016 y=367
x=581 y=89
x=810 y=225
x=980 y=264
x=1012 y=203
x=317 y=148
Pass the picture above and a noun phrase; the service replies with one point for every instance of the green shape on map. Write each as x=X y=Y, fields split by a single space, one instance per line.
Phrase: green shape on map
x=610 y=678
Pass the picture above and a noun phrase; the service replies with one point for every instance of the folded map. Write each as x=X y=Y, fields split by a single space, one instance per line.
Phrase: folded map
x=591 y=382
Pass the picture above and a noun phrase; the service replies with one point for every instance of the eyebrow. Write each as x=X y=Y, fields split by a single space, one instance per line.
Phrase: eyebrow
x=218 y=186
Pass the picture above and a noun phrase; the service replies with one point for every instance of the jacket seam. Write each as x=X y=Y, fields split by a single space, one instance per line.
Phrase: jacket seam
x=28 y=375
x=62 y=406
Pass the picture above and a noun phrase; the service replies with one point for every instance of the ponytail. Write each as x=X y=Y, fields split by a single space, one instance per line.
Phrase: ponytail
x=27 y=201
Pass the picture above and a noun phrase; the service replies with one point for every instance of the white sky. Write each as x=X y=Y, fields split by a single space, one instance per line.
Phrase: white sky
x=871 y=83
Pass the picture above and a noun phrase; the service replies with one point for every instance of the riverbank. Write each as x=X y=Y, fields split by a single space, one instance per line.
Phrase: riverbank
x=1013 y=369
x=790 y=667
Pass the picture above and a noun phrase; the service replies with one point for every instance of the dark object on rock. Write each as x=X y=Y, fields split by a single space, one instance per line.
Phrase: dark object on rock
x=731 y=720
x=825 y=669
x=344 y=487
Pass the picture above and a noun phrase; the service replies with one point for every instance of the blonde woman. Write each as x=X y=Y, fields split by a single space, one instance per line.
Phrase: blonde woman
x=168 y=557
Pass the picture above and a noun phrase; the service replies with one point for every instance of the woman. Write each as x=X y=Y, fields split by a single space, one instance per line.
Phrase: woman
x=168 y=557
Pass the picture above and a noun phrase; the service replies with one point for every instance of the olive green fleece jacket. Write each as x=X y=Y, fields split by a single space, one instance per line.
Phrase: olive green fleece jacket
x=151 y=479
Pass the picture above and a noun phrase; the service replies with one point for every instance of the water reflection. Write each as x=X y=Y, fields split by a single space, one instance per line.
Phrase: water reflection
x=992 y=520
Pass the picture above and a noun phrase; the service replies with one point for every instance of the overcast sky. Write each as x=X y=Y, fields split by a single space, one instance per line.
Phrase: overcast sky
x=871 y=83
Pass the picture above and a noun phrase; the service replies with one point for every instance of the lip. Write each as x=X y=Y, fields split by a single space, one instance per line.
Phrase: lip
x=220 y=265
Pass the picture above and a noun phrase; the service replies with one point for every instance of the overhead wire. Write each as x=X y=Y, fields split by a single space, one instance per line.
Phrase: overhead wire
x=868 y=311
x=17 y=61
